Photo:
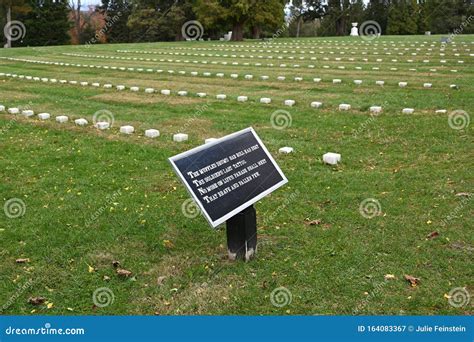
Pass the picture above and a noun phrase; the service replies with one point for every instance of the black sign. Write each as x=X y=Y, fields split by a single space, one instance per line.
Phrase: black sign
x=228 y=175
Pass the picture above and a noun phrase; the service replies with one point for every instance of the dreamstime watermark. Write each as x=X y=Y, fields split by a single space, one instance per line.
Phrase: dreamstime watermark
x=370 y=30
x=452 y=215
x=103 y=115
x=103 y=31
x=14 y=30
x=281 y=207
x=198 y=112
x=14 y=208
x=374 y=293
x=102 y=297
x=363 y=126
x=46 y=330
x=459 y=119
x=459 y=297
x=192 y=30
x=457 y=31
x=20 y=290
x=110 y=199
x=281 y=297
x=284 y=27
x=190 y=209
x=9 y=125
x=281 y=119
x=370 y=207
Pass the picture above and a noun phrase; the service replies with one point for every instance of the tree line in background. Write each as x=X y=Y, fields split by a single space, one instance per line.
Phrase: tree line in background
x=57 y=22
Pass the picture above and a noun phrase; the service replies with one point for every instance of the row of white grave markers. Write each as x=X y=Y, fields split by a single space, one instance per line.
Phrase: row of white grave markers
x=328 y=158
x=206 y=74
x=306 y=54
x=167 y=92
x=270 y=65
x=352 y=47
x=101 y=125
x=205 y=62
x=189 y=54
x=318 y=45
x=321 y=42
x=294 y=54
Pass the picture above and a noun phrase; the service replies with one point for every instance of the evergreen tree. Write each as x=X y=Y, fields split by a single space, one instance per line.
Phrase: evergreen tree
x=116 y=13
x=394 y=19
x=155 y=20
x=379 y=10
x=422 y=18
x=47 y=23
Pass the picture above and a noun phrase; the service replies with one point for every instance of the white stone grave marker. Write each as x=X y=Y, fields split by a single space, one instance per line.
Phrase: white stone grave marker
x=331 y=158
x=286 y=150
x=27 y=113
x=179 y=137
x=127 y=129
x=102 y=125
x=81 y=122
x=44 y=116
x=152 y=133
x=62 y=118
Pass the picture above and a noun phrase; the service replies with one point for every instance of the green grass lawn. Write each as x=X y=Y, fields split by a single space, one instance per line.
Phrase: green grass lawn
x=97 y=198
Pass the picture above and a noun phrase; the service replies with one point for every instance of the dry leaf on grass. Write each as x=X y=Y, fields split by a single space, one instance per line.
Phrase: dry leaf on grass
x=312 y=222
x=389 y=276
x=115 y=263
x=412 y=280
x=168 y=244
x=160 y=280
x=123 y=273
x=22 y=260
x=463 y=194
x=36 y=300
x=432 y=235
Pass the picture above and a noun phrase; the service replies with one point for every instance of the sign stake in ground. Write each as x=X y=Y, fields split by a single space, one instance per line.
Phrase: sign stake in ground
x=226 y=177
x=242 y=234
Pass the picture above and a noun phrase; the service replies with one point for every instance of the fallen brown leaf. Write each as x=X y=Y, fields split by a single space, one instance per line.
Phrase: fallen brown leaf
x=313 y=222
x=123 y=273
x=160 y=280
x=36 y=300
x=389 y=276
x=22 y=260
x=412 y=280
x=432 y=235
x=168 y=244
x=463 y=194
